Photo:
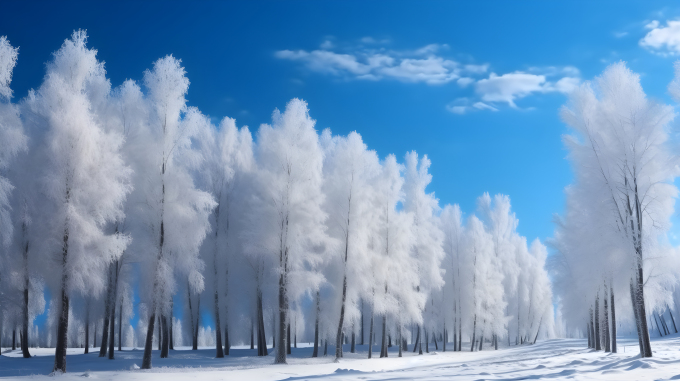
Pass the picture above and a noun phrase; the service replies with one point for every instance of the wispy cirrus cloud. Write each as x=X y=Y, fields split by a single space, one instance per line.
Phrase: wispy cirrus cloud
x=422 y=65
x=433 y=65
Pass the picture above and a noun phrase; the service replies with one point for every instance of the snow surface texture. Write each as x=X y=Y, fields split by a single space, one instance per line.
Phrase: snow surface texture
x=558 y=359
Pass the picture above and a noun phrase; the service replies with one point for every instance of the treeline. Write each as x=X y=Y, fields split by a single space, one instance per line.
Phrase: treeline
x=289 y=235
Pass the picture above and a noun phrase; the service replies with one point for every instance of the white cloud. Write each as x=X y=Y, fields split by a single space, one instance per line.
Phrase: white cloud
x=652 y=25
x=465 y=81
x=662 y=40
x=460 y=110
x=508 y=88
x=620 y=34
x=484 y=106
x=427 y=65
x=370 y=40
x=372 y=64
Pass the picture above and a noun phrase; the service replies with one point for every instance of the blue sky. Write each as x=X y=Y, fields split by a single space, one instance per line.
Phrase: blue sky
x=475 y=85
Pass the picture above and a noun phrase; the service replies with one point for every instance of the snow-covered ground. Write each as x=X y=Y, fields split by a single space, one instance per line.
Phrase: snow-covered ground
x=554 y=359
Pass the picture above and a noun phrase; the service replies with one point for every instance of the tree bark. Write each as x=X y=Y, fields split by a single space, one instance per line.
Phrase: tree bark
x=283 y=308
x=637 y=319
x=672 y=319
x=62 y=327
x=288 y=351
x=219 y=353
x=172 y=317
x=597 y=324
x=362 y=322
x=605 y=329
x=611 y=295
x=252 y=334
x=383 y=351
x=107 y=314
x=474 y=332
x=370 y=336
x=120 y=327
x=24 y=342
x=261 y=336
x=166 y=337
x=87 y=327
x=194 y=346
x=316 y=325
x=148 y=344
x=338 y=348
x=352 y=348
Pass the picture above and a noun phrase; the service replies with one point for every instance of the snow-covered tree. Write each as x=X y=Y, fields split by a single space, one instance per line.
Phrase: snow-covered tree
x=176 y=212
x=289 y=210
x=85 y=178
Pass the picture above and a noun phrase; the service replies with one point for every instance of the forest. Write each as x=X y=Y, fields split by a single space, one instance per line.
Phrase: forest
x=120 y=203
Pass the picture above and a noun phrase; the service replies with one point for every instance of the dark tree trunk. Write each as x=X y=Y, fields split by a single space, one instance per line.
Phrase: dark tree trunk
x=352 y=347
x=107 y=314
x=538 y=330
x=605 y=329
x=427 y=341
x=160 y=334
x=446 y=338
x=637 y=320
x=672 y=319
x=252 y=334
x=94 y=335
x=460 y=335
x=227 y=345
x=316 y=325
x=112 y=330
x=219 y=353
x=62 y=325
x=172 y=317
x=114 y=300
x=400 y=340
x=198 y=323
x=590 y=342
x=611 y=295
x=370 y=336
x=148 y=343
x=416 y=344
x=362 y=322
x=87 y=327
x=434 y=339
x=283 y=308
x=657 y=325
x=24 y=342
x=383 y=352
x=14 y=339
x=261 y=336
x=120 y=327
x=166 y=337
x=474 y=333
x=288 y=351
x=62 y=331
x=338 y=336
x=325 y=347
x=598 y=334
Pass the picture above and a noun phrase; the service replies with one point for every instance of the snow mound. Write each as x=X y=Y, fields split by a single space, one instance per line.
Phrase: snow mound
x=134 y=367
